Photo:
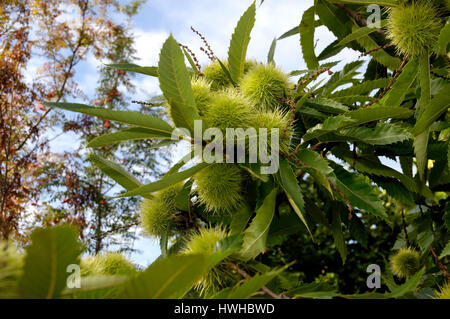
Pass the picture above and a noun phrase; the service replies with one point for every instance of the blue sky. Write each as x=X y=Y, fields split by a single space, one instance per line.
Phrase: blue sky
x=216 y=21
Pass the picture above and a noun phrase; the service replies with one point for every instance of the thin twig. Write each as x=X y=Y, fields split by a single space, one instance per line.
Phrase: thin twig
x=404 y=228
x=115 y=229
x=440 y=264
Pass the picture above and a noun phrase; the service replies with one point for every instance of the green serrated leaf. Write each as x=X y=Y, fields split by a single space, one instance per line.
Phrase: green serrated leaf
x=314 y=290
x=445 y=251
x=405 y=80
x=409 y=286
x=252 y=285
x=175 y=84
x=167 y=278
x=165 y=182
x=255 y=235
x=389 y=3
x=240 y=219
x=437 y=105
x=239 y=43
x=147 y=70
x=336 y=229
x=271 y=53
x=333 y=18
x=361 y=32
x=127 y=117
x=288 y=182
x=51 y=251
x=444 y=39
x=382 y=134
x=362 y=88
x=306 y=30
x=115 y=171
x=359 y=192
x=129 y=134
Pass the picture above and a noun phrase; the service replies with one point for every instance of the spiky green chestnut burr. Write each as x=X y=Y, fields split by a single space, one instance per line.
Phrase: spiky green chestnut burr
x=204 y=242
x=201 y=89
x=444 y=292
x=11 y=263
x=220 y=187
x=90 y=266
x=405 y=263
x=113 y=263
x=217 y=76
x=159 y=215
x=276 y=119
x=414 y=27
x=214 y=73
x=109 y=264
x=265 y=85
x=229 y=109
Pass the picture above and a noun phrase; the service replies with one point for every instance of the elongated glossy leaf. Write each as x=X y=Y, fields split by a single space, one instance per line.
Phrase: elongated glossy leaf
x=317 y=166
x=167 y=278
x=294 y=30
x=336 y=229
x=444 y=39
x=255 y=235
x=240 y=219
x=239 y=43
x=166 y=181
x=271 y=53
x=175 y=84
x=390 y=3
x=359 y=192
x=252 y=285
x=314 y=290
x=346 y=75
x=376 y=168
x=445 y=251
x=127 y=117
x=376 y=113
x=95 y=287
x=380 y=55
x=438 y=105
x=227 y=72
x=289 y=183
x=129 y=134
x=409 y=286
x=51 y=251
x=382 y=134
x=405 y=80
x=363 y=88
x=331 y=50
x=147 y=70
x=191 y=62
x=326 y=105
x=314 y=160
x=421 y=140
x=329 y=125
x=361 y=32
x=115 y=171
x=306 y=30
x=333 y=18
